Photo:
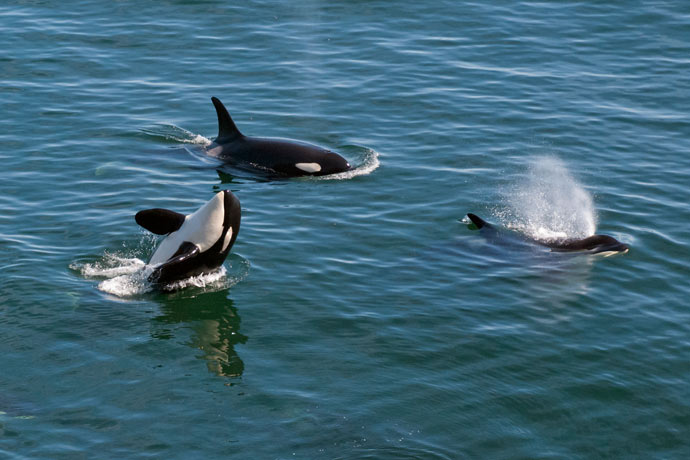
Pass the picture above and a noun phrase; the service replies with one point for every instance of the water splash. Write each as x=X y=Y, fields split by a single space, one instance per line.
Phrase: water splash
x=549 y=203
x=110 y=266
x=128 y=276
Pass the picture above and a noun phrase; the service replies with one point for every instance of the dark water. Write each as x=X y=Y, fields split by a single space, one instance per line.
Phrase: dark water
x=358 y=317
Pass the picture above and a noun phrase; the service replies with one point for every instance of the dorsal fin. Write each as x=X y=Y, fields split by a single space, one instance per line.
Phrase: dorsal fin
x=160 y=221
x=227 y=131
x=478 y=221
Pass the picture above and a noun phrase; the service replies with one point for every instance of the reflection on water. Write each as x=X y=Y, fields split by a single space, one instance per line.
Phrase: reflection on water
x=215 y=324
x=552 y=280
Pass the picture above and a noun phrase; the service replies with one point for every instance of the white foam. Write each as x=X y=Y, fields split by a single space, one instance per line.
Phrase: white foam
x=112 y=265
x=200 y=140
x=545 y=234
x=128 y=285
x=369 y=164
x=217 y=279
x=128 y=276
x=125 y=276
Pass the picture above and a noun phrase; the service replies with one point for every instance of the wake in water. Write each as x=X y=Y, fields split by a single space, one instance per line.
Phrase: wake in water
x=549 y=203
x=128 y=276
x=175 y=134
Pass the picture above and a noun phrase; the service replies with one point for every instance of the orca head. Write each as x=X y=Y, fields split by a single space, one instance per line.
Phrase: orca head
x=195 y=244
x=595 y=244
x=329 y=162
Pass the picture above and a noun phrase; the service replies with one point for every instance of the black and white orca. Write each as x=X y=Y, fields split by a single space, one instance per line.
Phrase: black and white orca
x=595 y=244
x=195 y=244
x=279 y=156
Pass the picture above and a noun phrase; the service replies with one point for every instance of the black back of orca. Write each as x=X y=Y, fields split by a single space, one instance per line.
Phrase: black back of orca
x=282 y=156
x=195 y=244
x=592 y=244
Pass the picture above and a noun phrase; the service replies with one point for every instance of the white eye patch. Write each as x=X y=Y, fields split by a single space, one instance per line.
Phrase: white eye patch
x=228 y=237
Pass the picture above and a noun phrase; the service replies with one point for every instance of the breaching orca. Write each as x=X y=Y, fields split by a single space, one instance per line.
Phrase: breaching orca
x=281 y=156
x=595 y=244
x=195 y=244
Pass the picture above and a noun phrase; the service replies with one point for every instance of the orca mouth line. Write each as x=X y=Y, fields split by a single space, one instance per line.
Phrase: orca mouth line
x=612 y=253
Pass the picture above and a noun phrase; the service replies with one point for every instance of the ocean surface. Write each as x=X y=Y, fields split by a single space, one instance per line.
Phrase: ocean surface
x=358 y=316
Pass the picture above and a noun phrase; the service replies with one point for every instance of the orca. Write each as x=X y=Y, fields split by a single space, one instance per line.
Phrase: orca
x=595 y=244
x=195 y=244
x=283 y=157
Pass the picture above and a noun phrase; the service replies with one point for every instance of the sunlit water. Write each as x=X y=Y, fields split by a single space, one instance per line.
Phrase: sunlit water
x=357 y=315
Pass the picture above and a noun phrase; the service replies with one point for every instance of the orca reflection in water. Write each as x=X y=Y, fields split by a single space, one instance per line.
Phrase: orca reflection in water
x=195 y=244
x=281 y=156
x=595 y=244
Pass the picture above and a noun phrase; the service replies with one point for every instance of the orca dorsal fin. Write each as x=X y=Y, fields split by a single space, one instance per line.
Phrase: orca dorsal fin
x=160 y=221
x=227 y=131
x=478 y=221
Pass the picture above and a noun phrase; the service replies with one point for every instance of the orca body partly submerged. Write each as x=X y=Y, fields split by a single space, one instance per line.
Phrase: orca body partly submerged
x=195 y=244
x=279 y=156
x=595 y=244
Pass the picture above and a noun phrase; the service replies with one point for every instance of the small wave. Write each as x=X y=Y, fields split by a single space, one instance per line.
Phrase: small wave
x=172 y=133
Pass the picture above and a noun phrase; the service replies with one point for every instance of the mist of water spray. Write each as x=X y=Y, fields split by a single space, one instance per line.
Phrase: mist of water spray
x=548 y=203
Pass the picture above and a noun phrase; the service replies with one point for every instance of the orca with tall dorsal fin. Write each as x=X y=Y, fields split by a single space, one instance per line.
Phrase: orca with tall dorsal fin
x=595 y=244
x=195 y=244
x=281 y=156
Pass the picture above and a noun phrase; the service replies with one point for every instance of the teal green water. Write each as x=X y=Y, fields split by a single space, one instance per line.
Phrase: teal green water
x=358 y=317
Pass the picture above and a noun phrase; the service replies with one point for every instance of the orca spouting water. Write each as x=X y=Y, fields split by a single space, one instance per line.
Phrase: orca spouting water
x=282 y=156
x=595 y=244
x=195 y=244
